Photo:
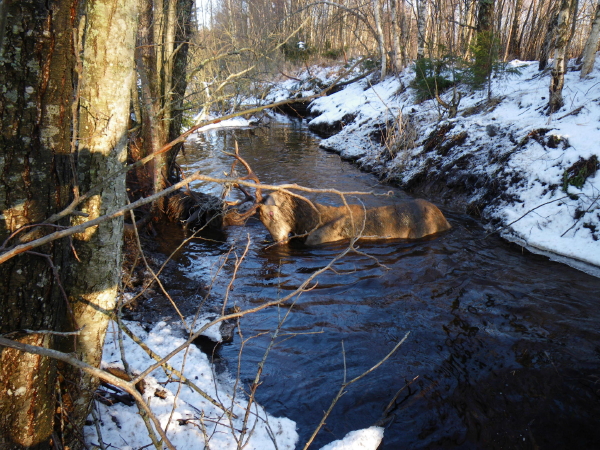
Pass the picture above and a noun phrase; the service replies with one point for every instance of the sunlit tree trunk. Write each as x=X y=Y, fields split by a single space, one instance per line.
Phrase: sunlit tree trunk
x=48 y=154
x=164 y=46
x=398 y=64
x=591 y=45
x=564 y=33
x=35 y=114
x=105 y=81
x=380 y=37
x=421 y=27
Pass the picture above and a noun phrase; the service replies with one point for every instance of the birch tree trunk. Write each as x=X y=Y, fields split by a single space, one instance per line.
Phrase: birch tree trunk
x=591 y=45
x=564 y=33
x=396 y=47
x=421 y=27
x=380 y=37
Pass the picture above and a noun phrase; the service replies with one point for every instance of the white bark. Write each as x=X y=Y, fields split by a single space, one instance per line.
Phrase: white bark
x=566 y=16
x=396 y=47
x=104 y=115
x=380 y=37
x=421 y=27
x=591 y=45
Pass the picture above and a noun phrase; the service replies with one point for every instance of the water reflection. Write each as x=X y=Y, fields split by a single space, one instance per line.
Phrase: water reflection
x=506 y=345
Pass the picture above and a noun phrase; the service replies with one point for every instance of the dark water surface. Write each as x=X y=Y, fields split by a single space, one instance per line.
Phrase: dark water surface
x=505 y=344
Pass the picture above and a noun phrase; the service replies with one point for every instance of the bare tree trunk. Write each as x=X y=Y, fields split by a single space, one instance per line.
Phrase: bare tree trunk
x=591 y=45
x=35 y=118
x=564 y=33
x=179 y=76
x=549 y=38
x=469 y=22
x=396 y=47
x=163 y=91
x=105 y=87
x=380 y=37
x=421 y=27
x=512 y=47
x=48 y=289
x=149 y=53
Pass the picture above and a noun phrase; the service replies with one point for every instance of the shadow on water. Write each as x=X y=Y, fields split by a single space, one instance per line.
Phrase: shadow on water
x=505 y=344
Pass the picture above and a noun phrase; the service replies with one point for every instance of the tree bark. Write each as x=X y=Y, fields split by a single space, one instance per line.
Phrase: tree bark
x=512 y=47
x=550 y=37
x=35 y=115
x=380 y=37
x=398 y=63
x=48 y=290
x=163 y=43
x=105 y=88
x=421 y=28
x=179 y=76
x=564 y=33
x=591 y=45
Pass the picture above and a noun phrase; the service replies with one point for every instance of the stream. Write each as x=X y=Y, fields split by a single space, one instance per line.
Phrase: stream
x=504 y=344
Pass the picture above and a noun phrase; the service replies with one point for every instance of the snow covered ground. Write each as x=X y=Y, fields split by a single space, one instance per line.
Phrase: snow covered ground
x=503 y=158
x=191 y=421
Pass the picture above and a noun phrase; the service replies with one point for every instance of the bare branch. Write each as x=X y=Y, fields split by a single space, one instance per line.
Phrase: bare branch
x=127 y=386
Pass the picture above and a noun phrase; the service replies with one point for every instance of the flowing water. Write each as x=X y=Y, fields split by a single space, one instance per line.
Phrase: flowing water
x=505 y=345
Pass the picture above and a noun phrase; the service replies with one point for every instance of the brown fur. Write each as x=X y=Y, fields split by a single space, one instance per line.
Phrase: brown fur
x=283 y=214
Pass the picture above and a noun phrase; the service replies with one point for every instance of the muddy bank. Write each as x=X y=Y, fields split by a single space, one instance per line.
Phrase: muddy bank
x=531 y=177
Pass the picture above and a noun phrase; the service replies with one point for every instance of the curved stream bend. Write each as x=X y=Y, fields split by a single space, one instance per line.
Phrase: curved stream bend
x=506 y=345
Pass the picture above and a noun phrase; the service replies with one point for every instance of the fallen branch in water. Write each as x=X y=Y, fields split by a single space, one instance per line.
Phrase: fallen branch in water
x=345 y=384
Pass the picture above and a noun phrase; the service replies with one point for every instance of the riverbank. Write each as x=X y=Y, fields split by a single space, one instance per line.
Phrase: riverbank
x=531 y=177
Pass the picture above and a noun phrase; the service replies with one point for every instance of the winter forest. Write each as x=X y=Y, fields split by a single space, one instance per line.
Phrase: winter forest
x=150 y=296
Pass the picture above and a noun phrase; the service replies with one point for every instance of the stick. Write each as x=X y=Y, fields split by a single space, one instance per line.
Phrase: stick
x=129 y=387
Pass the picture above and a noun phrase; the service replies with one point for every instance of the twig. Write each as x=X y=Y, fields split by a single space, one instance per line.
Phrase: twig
x=127 y=386
x=257 y=381
x=578 y=220
x=238 y=262
x=56 y=333
x=162 y=288
x=237 y=314
x=574 y=112
x=97 y=424
x=143 y=414
x=345 y=384
x=176 y=372
x=530 y=211
x=18 y=249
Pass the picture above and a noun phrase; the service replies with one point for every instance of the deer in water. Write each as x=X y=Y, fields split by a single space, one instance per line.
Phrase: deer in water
x=285 y=214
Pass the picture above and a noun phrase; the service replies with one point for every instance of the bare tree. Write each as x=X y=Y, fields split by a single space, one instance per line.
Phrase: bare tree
x=380 y=37
x=512 y=46
x=591 y=44
x=421 y=27
x=51 y=150
x=564 y=33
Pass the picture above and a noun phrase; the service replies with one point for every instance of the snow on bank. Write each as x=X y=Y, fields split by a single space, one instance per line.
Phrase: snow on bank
x=367 y=439
x=505 y=159
x=191 y=421
x=236 y=122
